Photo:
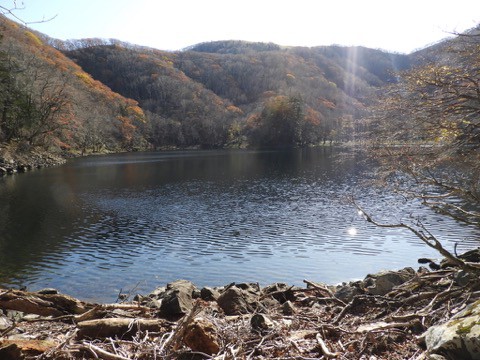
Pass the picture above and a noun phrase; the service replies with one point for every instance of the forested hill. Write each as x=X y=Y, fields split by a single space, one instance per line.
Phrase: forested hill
x=112 y=96
x=233 y=92
x=48 y=101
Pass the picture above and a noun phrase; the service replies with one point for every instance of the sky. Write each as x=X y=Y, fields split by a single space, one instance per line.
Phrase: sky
x=394 y=25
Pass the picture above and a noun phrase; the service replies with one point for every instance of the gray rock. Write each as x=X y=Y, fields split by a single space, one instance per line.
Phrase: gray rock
x=471 y=256
x=280 y=292
x=261 y=322
x=288 y=308
x=177 y=299
x=158 y=292
x=463 y=278
x=459 y=338
x=182 y=286
x=253 y=288
x=383 y=282
x=347 y=292
x=48 y=291
x=209 y=294
x=196 y=294
x=154 y=304
x=176 y=303
x=15 y=315
x=235 y=301
x=5 y=323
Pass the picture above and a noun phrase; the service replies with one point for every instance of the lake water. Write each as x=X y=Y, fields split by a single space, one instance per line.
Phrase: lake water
x=133 y=222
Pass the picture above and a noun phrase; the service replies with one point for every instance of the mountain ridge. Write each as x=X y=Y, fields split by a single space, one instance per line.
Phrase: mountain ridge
x=211 y=94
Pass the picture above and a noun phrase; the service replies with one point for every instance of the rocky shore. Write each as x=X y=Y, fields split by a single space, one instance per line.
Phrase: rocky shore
x=15 y=160
x=405 y=314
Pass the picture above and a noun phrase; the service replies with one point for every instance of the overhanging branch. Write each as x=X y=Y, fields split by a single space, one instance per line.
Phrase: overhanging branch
x=425 y=236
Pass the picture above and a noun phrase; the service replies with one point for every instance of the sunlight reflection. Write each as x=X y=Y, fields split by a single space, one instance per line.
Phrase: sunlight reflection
x=352 y=231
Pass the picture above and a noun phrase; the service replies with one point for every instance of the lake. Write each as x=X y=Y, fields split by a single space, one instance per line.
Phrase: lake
x=131 y=222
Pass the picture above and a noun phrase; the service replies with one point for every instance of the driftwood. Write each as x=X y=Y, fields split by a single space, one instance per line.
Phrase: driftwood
x=41 y=304
x=369 y=326
x=117 y=327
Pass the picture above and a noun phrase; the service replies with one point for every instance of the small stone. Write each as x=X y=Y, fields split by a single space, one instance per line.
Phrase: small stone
x=48 y=291
x=251 y=287
x=347 y=292
x=196 y=294
x=463 y=278
x=140 y=298
x=288 y=308
x=5 y=323
x=158 y=292
x=201 y=336
x=209 y=294
x=261 y=322
x=280 y=292
x=154 y=304
x=10 y=352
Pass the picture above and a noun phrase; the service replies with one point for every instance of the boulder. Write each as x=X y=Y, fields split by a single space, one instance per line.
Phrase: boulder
x=176 y=303
x=235 y=301
x=177 y=299
x=471 y=256
x=383 y=282
x=459 y=338
x=201 y=335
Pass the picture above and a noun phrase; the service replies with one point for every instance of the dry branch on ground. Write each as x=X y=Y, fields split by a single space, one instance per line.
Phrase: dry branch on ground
x=316 y=325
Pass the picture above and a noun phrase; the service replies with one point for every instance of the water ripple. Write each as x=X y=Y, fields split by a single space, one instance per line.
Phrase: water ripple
x=165 y=218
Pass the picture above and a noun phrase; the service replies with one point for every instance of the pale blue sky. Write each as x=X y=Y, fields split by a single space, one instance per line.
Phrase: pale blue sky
x=400 y=26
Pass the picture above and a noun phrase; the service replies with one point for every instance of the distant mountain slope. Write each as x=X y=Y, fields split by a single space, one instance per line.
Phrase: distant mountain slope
x=206 y=93
x=224 y=93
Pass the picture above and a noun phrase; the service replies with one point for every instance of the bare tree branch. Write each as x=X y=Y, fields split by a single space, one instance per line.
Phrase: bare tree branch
x=425 y=236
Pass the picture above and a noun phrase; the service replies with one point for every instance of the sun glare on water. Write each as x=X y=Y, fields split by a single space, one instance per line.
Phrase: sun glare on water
x=352 y=231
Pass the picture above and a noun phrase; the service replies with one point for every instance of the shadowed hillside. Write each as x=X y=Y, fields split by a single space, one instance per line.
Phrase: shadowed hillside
x=219 y=93
x=47 y=100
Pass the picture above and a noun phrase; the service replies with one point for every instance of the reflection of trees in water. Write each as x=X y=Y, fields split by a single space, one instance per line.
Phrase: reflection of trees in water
x=35 y=217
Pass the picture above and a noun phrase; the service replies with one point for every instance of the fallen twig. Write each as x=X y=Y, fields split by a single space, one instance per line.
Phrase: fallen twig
x=96 y=351
x=326 y=352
